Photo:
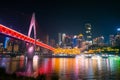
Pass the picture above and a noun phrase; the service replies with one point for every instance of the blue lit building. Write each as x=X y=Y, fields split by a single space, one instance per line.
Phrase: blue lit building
x=118 y=31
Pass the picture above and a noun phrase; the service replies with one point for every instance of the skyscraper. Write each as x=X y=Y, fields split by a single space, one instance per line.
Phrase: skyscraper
x=118 y=31
x=88 y=31
x=6 y=42
x=59 y=38
x=63 y=38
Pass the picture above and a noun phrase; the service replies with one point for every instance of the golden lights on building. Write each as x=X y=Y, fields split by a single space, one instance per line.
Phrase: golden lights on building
x=67 y=51
x=103 y=50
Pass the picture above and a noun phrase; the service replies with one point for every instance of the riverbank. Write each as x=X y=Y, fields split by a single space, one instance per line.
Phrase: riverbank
x=58 y=56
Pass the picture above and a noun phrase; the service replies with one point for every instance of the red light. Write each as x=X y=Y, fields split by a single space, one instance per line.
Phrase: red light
x=15 y=34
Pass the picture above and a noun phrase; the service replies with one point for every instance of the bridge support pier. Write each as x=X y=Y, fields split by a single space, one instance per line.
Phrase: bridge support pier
x=30 y=51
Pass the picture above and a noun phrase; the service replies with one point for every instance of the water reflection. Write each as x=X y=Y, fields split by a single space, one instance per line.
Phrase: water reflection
x=66 y=68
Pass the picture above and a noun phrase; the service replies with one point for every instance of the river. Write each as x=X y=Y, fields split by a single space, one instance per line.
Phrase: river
x=78 y=68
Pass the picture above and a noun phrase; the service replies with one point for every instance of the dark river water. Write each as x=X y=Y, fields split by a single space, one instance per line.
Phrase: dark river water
x=78 y=68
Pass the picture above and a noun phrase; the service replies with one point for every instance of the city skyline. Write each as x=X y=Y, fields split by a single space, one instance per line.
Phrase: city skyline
x=59 y=40
x=53 y=17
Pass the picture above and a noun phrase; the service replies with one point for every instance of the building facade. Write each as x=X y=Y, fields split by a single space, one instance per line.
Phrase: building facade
x=88 y=31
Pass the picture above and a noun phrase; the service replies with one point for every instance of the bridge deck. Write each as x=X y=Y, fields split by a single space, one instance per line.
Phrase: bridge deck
x=10 y=32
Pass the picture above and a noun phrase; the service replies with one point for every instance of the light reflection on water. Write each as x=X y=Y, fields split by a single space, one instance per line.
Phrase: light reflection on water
x=66 y=68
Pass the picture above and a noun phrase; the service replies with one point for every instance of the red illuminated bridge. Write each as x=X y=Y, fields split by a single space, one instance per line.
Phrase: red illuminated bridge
x=10 y=32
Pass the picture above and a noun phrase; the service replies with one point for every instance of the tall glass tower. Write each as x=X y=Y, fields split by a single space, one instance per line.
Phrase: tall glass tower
x=88 y=31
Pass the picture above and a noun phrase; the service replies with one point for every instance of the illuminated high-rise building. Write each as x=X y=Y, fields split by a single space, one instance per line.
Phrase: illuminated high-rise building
x=68 y=41
x=10 y=45
x=59 y=38
x=74 y=41
x=117 y=40
x=6 y=42
x=88 y=31
x=118 y=31
x=63 y=38
x=80 y=40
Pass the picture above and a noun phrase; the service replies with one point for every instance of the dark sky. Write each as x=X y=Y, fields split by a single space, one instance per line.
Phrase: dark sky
x=65 y=16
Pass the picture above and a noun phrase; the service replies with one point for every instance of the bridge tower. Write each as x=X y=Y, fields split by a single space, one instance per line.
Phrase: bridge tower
x=31 y=47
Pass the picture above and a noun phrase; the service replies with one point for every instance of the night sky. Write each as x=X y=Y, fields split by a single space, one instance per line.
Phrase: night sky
x=65 y=16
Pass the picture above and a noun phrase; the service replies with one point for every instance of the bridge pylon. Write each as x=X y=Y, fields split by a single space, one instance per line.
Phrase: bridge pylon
x=31 y=47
